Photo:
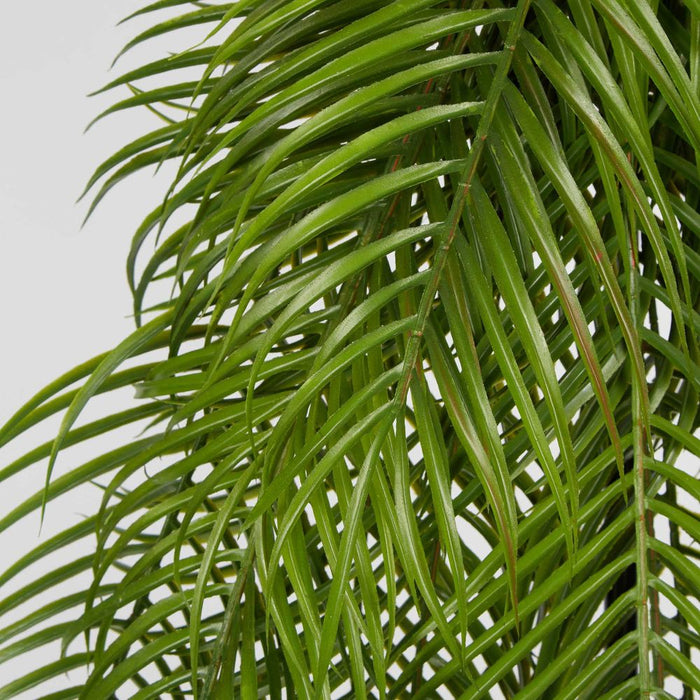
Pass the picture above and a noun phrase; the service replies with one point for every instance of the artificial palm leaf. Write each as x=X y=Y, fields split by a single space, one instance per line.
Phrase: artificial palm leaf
x=416 y=364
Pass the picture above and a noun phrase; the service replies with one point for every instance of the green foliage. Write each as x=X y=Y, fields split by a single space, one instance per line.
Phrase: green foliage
x=417 y=353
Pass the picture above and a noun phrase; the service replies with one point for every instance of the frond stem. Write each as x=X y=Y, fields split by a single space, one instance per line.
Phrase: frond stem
x=446 y=238
x=348 y=293
x=640 y=521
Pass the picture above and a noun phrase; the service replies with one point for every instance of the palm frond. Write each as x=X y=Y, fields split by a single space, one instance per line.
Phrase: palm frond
x=416 y=363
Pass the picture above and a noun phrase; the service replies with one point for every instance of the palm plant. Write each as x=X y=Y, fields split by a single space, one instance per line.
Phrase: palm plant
x=416 y=363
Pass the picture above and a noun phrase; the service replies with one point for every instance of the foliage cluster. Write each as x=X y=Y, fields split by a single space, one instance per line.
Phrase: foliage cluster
x=417 y=356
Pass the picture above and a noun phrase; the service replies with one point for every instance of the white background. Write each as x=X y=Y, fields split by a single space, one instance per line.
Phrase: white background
x=63 y=291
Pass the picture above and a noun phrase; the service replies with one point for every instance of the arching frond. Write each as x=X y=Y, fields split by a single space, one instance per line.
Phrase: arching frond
x=416 y=363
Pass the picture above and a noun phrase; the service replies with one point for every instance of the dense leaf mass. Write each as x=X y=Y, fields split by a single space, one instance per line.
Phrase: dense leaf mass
x=416 y=362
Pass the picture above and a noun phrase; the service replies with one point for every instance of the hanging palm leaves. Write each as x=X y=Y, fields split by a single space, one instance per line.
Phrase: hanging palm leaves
x=418 y=372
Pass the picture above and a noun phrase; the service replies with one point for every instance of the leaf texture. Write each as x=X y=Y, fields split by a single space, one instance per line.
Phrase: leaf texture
x=416 y=364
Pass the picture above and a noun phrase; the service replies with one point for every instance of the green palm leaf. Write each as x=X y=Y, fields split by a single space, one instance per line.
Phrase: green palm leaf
x=416 y=362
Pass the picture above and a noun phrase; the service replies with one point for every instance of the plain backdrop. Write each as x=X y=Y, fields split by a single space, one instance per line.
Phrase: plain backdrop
x=63 y=291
